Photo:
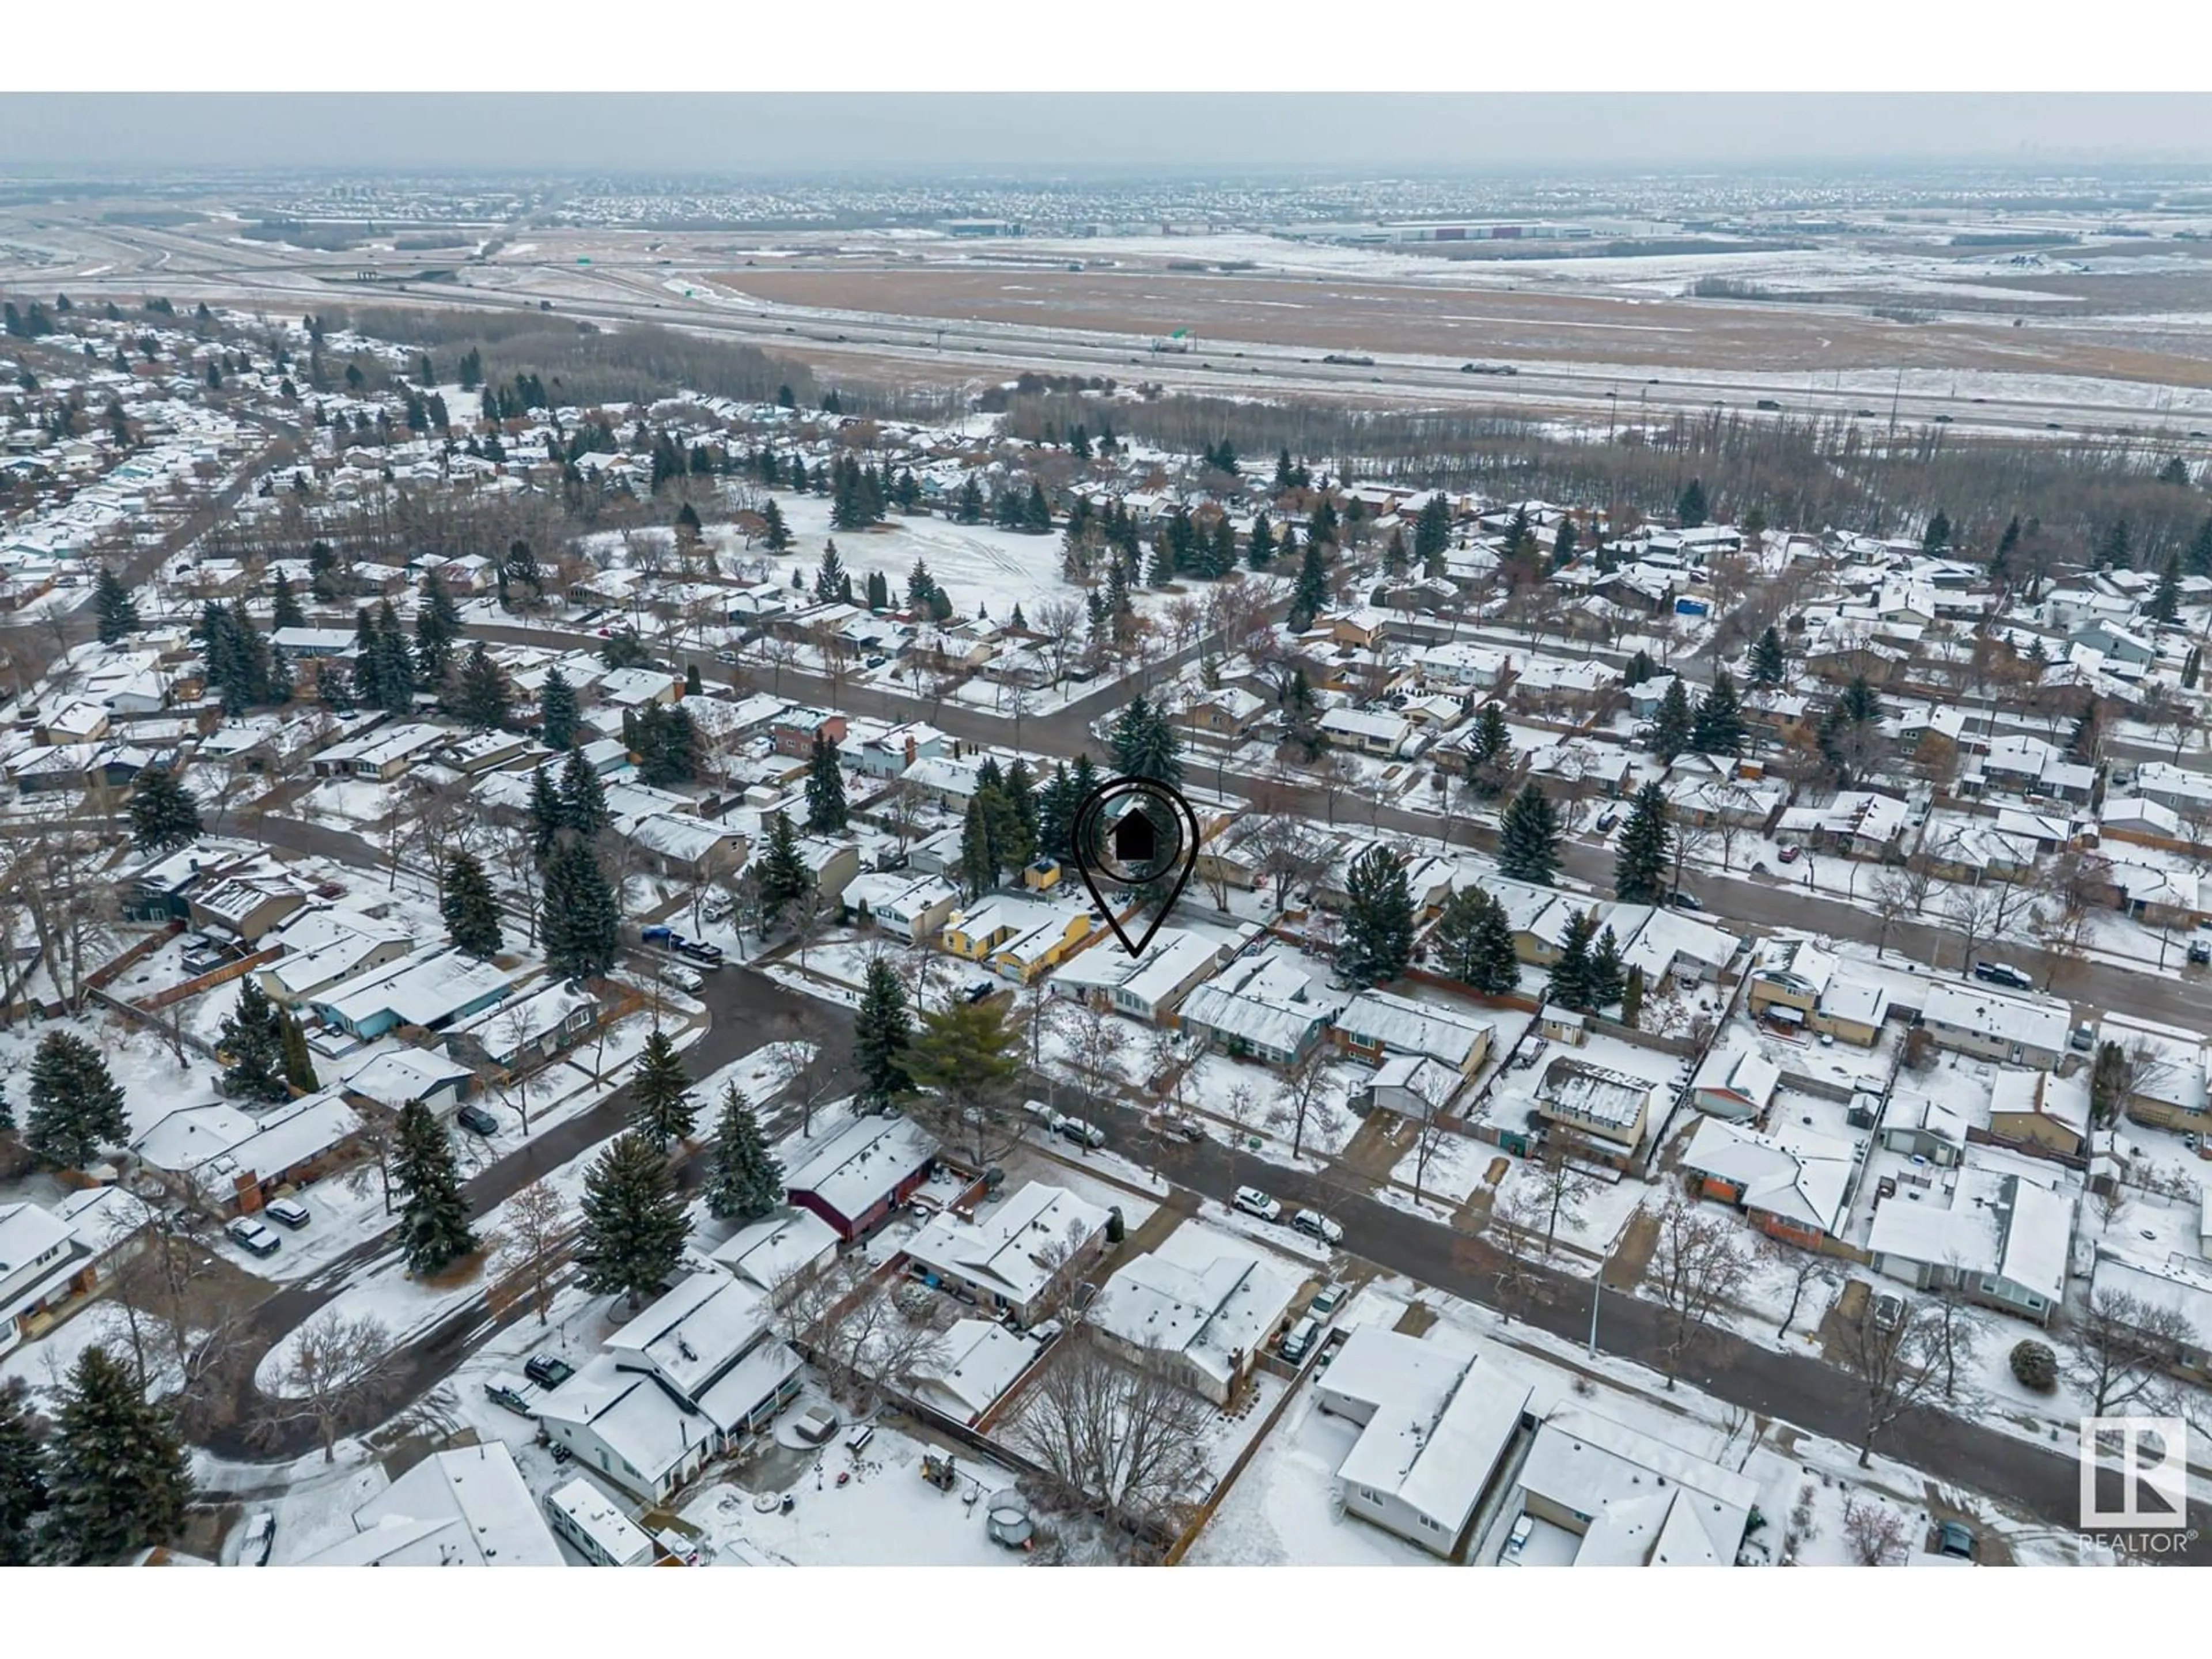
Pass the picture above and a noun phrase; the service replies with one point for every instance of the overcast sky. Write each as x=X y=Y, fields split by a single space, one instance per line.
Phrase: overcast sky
x=756 y=132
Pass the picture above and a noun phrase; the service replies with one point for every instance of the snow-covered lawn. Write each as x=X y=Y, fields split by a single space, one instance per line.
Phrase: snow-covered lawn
x=153 y=1082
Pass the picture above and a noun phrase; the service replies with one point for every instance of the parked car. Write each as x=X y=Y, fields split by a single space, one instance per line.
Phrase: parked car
x=816 y=1424
x=287 y=1212
x=1789 y=854
x=706 y=955
x=1607 y=819
x=657 y=934
x=1314 y=1224
x=728 y=656
x=2084 y=1038
x=1041 y=1112
x=260 y=1534
x=2200 y=952
x=1516 y=1541
x=716 y=910
x=1175 y=1126
x=1889 y=1309
x=1253 y=1201
x=1298 y=1339
x=978 y=990
x=510 y=1391
x=2004 y=974
x=1082 y=1134
x=547 y=1371
x=1326 y=1300
x=476 y=1121
x=251 y=1235
x=683 y=978
x=1956 y=1539
x=1682 y=901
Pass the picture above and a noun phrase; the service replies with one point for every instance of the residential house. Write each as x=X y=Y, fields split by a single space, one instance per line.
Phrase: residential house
x=2000 y=1238
x=521 y=1033
x=861 y=1173
x=382 y=754
x=780 y=1252
x=1205 y=1324
x=914 y=907
x=431 y=988
x=325 y=945
x=2180 y=1291
x=218 y=1155
x=1435 y=1429
x=1369 y=732
x=976 y=1366
x=1793 y=1184
x=1018 y=936
x=1017 y=1259
x=466 y=1508
x=1796 y=984
x=2041 y=1109
x=1378 y=1024
x=794 y=730
x=1735 y=1083
x=1414 y=1086
x=1973 y=1019
x=1268 y=1006
x=593 y=1525
x=396 y=1076
x=1231 y=711
x=244 y=907
x=1600 y=1494
x=1608 y=1110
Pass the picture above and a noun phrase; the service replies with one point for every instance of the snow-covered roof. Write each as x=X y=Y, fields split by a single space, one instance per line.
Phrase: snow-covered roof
x=1801 y=1178
x=978 y=1361
x=219 y=1139
x=2036 y=1025
x=1018 y=1246
x=768 y=1252
x=693 y=1332
x=1212 y=1317
x=1995 y=1224
x=1436 y=1423
x=399 y=1075
x=466 y=1508
x=1401 y=1025
x=600 y=1519
x=864 y=1162
x=1650 y=1503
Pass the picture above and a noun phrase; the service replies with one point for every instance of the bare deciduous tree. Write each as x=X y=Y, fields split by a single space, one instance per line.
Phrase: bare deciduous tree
x=1803 y=1268
x=1129 y=1439
x=1895 y=1370
x=339 y=1370
x=2118 y=1350
x=1697 y=1269
x=1875 y=1532
x=536 y=1239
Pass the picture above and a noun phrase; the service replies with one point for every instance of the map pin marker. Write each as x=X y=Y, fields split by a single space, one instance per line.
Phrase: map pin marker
x=1135 y=832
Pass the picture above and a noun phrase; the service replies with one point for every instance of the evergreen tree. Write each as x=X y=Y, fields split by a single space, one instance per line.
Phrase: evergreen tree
x=1311 y=595
x=483 y=699
x=668 y=745
x=471 y=911
x=2001 y=562
x=1609 y=978
x=163 y=814
x=557 y=711
x=825 y=790
x=1674 y=724
x=437 y=625
x=2116 y=551
x=251 y=1041
x=299 y=1059
x=119 y=1479
x=112 y=603
x=546 y=816
x=1377 y=941
x=1489 y=752
x=1472 y=943
x=1639 y=865
x=2166 y=603
x=284 y=608
x=1690 y=505
x=1432 y=529
x=979 y=862
x=583 y=798
x=1719 y=727
x=829 y=575
x=1259 y=545
x=777 y=535
x=1497 y=964
x=1145 y=745
x=661 y=1108
x=75 y=1108
x=580 y=918
x=1936 y=538
x=745 y=1182
x=1056 y=805
x=23 y=1491
x=1632 y=998
x=882 y=1029
x=783 y=872
x=633 y=1231
x=434 y=1218
x=1769 y=667
x=694 y=684
x=879 y=591
x=2200 y=551
x=1563 y=546
x=1528 y=838
x=1569 y=986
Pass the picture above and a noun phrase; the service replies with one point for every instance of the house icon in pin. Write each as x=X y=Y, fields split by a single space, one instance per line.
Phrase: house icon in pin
x=1136 y=843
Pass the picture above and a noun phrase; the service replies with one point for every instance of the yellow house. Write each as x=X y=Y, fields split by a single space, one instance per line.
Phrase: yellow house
x=1045 y=946
x=1019 y=936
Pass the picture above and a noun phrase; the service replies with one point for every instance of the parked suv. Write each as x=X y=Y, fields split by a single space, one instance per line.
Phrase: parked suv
x=287 y=1212
x=251 y=1235
x=1082 y=1134
x=1253 y=1201
x=476 y=1121
x=547 y=1371
x=1314 y=1224
x=2004 y=974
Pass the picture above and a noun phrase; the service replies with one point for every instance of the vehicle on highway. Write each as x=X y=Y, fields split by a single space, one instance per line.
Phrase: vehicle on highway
x=1253 y=1201
x=476 y=1121
x=2004 y=974
x=251 y=1235
x=1314 y=1224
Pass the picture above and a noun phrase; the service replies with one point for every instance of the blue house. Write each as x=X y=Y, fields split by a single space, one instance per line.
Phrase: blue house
x=431 y=988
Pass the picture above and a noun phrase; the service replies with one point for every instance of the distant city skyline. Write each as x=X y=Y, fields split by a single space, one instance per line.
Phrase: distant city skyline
x=1016 y=133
